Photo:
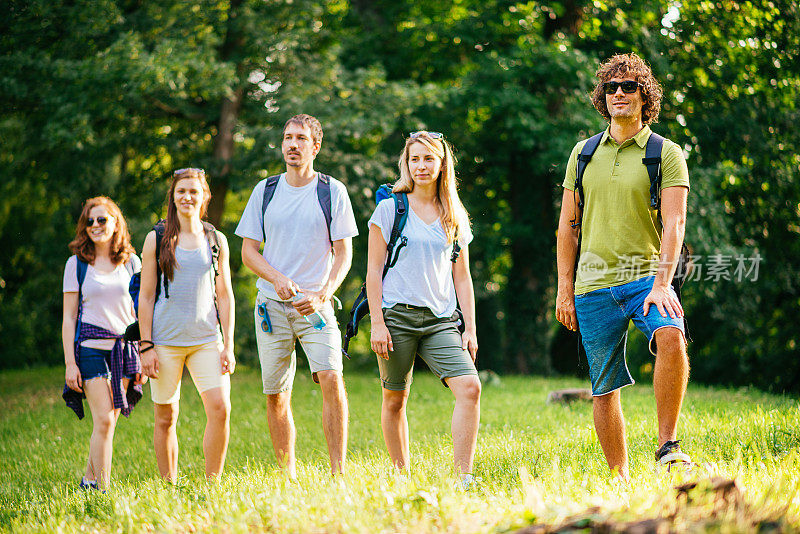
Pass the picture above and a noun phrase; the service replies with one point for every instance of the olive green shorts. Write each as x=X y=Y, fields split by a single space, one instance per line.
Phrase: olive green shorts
x=416 y=330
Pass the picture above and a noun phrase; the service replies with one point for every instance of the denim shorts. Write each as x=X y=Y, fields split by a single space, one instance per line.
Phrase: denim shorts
x=94 y=362
x=603 y=319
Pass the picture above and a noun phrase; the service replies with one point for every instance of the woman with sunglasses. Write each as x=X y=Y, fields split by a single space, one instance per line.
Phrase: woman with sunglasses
x=185 y=298
x=97 y=310
x=413 y=309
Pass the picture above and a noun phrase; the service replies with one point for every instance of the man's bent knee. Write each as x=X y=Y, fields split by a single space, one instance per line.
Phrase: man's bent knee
x=670 y=342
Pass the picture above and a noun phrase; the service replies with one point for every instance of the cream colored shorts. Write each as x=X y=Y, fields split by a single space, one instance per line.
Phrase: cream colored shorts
x=204 y=366
x=323 y=348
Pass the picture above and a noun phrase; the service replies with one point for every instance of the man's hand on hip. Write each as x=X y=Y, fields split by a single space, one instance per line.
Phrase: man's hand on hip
x=665 y=300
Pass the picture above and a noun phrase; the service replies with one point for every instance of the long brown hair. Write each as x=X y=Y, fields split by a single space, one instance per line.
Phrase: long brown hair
x=451 y=211
x=624 y=66
x=83 y=247
x=172 y=226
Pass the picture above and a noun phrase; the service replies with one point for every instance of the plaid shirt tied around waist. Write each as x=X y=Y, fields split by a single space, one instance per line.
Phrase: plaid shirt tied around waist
x=124 y=362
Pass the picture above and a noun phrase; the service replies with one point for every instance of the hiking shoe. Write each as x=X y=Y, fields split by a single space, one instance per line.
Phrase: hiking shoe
x=87 y=484
x=670 y=454
x=467 y=482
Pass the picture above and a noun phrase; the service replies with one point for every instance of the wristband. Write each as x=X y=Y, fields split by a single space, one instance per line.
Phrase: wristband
x=150 y=345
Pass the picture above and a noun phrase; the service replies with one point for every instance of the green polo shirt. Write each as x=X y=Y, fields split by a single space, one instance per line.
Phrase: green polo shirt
x=621 y=235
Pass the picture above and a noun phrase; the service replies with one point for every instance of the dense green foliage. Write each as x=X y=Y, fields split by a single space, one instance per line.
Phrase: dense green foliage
x=107 y=97
x=538 y=463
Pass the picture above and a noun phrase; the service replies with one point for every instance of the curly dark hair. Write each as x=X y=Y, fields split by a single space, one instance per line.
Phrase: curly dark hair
x=629 y=66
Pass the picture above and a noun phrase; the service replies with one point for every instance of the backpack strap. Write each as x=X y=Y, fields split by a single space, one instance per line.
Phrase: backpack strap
x=269 y=190
x=213 y=247
x=159 y=229
x=456 y=248
x=652 y=160
x=585 y=156
x=400 y=218
x=324 y=198
x=80 y=274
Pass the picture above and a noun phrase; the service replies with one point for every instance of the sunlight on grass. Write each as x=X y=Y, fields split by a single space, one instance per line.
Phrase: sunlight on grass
x=538 y=464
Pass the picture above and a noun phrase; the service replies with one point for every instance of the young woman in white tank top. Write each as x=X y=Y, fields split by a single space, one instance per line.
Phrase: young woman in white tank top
x=180 y=327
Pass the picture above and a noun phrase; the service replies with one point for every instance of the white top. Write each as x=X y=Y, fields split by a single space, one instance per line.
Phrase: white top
x=106 y=301
x=297 y=243
x=423 y=274
x=188 y=317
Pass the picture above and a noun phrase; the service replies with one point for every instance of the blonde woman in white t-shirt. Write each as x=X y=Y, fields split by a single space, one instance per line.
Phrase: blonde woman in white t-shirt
x=99 y=365
x=413 y=309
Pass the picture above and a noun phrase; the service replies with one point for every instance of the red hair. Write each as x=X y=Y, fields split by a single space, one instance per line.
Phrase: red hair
x=83 y=247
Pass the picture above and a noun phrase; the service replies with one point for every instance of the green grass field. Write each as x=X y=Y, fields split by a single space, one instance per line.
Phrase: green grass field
x=538 y=464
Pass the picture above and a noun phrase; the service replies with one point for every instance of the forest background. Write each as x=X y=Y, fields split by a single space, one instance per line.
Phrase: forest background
x=108 y=97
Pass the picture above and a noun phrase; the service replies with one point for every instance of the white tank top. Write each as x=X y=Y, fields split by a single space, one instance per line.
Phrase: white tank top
x=188 y=316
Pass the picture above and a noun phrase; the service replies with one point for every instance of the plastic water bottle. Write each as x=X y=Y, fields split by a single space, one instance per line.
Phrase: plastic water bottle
x=315 y=319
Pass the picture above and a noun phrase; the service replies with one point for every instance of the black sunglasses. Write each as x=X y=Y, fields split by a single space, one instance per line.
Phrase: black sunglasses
x=628 y=86
x=100 y=220
x=266 y=325
x=432 y=135
x=188 y=169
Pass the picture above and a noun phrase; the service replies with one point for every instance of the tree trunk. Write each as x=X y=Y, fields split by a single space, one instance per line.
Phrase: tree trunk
x=223 y=152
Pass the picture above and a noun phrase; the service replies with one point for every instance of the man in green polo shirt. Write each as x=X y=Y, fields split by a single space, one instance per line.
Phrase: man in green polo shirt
x=628 y=256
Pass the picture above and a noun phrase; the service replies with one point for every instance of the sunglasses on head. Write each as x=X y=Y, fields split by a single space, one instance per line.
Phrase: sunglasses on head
x=432 y=135
x=100 y=220
x=628 y=86
x=188 y=170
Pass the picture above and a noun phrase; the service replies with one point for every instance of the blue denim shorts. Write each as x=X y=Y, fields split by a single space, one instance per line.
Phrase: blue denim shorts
x=603 y=319
x=94 y=362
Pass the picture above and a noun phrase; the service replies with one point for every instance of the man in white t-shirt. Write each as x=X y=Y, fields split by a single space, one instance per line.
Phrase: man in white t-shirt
x=305 y=220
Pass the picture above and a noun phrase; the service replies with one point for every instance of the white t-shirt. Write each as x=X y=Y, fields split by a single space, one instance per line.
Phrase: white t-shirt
x=106 y=301
x=297 y=243
x=423 y=274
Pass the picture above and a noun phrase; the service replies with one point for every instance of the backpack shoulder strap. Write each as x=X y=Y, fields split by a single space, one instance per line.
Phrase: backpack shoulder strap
x=456 y=248
x=269 y=190
x=213 y=245
x=652 y=160
x=399 y=222
x=80 y=274
x=325 y=201
x=159 y=229
x=585 y=156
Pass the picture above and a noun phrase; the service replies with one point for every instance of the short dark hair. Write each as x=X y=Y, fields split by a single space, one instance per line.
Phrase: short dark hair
x=623 y=66
x=307 y=120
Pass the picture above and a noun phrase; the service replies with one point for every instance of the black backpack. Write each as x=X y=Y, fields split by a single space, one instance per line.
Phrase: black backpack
x=361 y=307
x=651 y=160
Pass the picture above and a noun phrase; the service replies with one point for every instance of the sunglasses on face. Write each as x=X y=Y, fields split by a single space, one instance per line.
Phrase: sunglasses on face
x=188 y=170
x=628 y=86
x=432 y=135
x=100 y=220
x=266 y=325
